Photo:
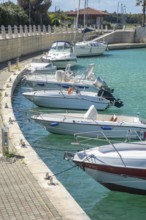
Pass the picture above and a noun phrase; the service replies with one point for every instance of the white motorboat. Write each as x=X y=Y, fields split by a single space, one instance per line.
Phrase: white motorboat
x=67 y=99
x=119 y=167
x=67 y=78
x=61 y=53
x=90 y=48
x=39 y=66
x=93 y=124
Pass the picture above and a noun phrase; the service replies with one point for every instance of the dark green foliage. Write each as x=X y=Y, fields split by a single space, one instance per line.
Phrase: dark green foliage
x=115 y=18
x=143 y=4
x=37 y=10
x=11 y=14
x=59 y=18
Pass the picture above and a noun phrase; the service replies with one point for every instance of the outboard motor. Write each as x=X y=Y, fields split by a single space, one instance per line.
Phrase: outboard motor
x=107 y=95
x=100 y=83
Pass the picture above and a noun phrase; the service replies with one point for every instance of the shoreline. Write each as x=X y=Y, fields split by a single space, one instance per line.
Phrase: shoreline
x=126 y=46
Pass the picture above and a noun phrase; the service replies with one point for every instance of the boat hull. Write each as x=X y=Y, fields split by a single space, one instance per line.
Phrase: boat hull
x=90 y=129
x=131 y=180
x=44 y=71
x=42 y=67
x=83 y=50
x=62 y=101
x=61 y=64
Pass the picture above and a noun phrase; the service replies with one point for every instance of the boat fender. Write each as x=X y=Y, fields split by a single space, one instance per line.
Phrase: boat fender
x=53 y=124
x=106 y=127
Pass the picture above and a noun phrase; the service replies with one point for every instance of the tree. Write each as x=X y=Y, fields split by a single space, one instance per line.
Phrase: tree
x=143 y=3
x=59 y=18
x=11 y=14
x=37 y=10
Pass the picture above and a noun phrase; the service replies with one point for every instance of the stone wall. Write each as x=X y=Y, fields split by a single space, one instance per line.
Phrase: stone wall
x=26 y=40
x=23 y=41
x=18 y=46
x=118 y=37
x=140 y=35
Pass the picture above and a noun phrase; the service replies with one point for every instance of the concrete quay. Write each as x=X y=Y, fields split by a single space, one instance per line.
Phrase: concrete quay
x=126 y=46
x=25 y=192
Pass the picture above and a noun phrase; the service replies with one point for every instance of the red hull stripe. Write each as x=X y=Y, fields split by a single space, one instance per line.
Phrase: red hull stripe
x=131 y=172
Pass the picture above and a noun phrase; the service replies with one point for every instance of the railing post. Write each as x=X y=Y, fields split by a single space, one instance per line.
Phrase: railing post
x=30 y=30
x=21 y=31
x=15 y=31
x=54 y=28
x=9 y=31
x=3 y=31
x=34 y=30
x=49 y=29
x=25 y=30
x=39 y=29
x=44 y=29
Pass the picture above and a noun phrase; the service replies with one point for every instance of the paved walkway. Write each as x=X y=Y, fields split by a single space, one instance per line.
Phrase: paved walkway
x=21 y=197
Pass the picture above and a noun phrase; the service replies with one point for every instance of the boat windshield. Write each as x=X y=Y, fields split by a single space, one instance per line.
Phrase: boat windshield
x=61 y=46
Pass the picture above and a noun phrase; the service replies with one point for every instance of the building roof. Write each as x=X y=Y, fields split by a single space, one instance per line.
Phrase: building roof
x=89 y=11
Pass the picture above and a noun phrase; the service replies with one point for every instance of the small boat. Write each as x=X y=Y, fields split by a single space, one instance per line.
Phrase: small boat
x=67 y=78
x=61 y=53
x=39 y=66
x=92 y=124
x=67 y=99
x=118 y=167
x=90 y=48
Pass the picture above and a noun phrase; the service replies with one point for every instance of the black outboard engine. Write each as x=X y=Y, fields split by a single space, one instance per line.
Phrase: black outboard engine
x=107 y=95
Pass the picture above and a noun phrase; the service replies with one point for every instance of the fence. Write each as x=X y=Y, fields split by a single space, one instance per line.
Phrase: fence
x=22 y=31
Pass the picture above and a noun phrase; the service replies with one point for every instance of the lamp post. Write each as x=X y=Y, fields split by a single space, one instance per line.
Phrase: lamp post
x=29 y=13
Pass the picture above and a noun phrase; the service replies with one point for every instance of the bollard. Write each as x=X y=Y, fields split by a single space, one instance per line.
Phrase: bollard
x=9 y=66
x=17 y=63
x=5 y=141
x=51 y=181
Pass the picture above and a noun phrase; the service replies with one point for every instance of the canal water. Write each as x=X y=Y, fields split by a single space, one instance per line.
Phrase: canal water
x=125 y=71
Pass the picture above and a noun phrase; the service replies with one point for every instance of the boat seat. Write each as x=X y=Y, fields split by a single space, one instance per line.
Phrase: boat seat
x=136 y=120
x=91 y=113
x=60 y=75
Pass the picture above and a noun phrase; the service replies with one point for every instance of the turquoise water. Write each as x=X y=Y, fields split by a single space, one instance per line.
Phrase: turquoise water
x=125 y=71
